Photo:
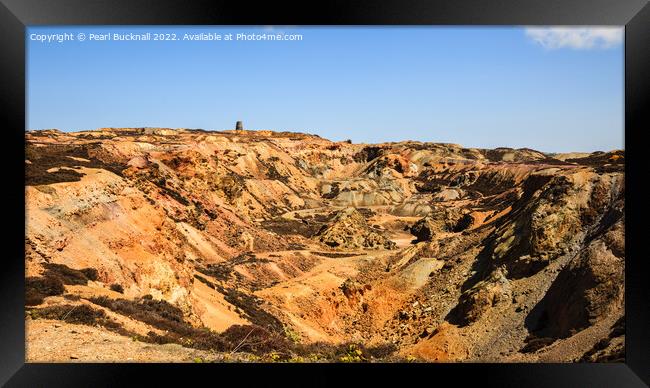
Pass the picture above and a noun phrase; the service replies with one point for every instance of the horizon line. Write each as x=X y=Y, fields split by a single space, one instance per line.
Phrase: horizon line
x=323 y=138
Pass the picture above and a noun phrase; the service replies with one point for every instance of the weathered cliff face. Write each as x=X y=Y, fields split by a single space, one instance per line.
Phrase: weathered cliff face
x=443 y=252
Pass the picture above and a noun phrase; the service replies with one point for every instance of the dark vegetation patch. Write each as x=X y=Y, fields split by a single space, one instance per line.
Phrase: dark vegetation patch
x=281 y=226
x=63 y=174
x=164 y=316
x=157 y=313
x=37 y=288
x=263 y=276
x=72 y=297
x=247 y=258
x=45 y=157
x=237 y=338
x=211 y=215
x=220 y=271
x=257 y=340
x=78 y=314
x=204 y=281
x=225 y=270
x=117 y=288
x=348 y=352
x=69 y=275
x=196 y=216
x=90 y=273
x=202 y=338
x=251 y=306
x=53 y=280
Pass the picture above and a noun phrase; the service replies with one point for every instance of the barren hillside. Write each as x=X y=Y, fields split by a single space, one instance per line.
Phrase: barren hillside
x=261 y=245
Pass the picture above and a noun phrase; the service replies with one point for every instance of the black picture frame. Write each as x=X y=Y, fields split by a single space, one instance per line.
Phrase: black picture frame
x=15 y=15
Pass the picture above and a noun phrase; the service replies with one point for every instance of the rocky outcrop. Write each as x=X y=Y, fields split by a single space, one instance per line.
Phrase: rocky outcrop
x=484 y=295
x=550 y=219
x=349 y=230
x=589 y=288
x=440 y=221
x=424 y=229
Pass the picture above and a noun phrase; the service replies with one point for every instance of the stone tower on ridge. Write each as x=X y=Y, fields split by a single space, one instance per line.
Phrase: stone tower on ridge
x=239 y=126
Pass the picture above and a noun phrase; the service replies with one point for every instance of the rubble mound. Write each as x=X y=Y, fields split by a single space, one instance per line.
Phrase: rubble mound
x=350 y=230
x=424 y=229
x=483 y=296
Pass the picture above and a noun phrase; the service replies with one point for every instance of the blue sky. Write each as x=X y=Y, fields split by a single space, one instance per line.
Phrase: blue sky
x=554 y=90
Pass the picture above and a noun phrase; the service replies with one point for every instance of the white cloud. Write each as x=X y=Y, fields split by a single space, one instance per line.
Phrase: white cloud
x=581 y=38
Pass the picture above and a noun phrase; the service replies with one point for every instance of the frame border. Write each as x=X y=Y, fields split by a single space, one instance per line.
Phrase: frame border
x=16 y=15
